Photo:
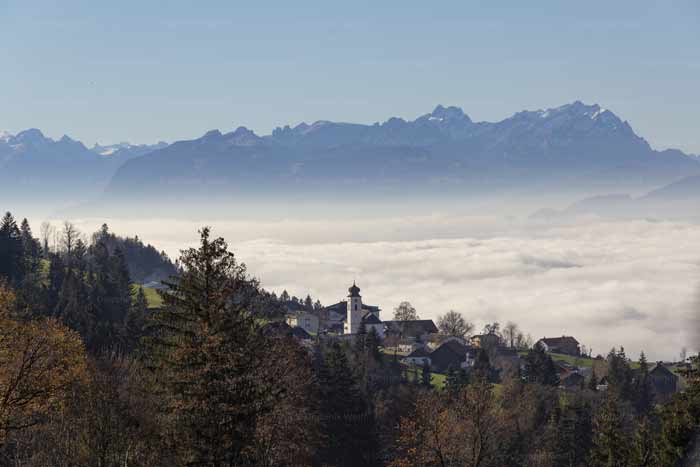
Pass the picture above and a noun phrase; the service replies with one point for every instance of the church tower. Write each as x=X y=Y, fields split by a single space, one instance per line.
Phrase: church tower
x=352 y=324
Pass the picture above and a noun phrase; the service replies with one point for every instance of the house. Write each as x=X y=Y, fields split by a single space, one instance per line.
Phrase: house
x=300 y=334
x=407 y=346
x=436 y=340
x=573 y=380
x=416 y=330
x=505 y=360
x=420 y=356
x=452 y=354
x=485 y=341
x=602 y=384
x=304 y=319
x=664 y=383
x=566 y=345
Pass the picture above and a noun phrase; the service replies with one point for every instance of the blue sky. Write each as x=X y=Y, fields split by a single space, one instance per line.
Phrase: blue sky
x=143 y=71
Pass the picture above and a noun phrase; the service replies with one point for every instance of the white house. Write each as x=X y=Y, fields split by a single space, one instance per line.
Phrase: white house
x=419 y=357
x=305 y=320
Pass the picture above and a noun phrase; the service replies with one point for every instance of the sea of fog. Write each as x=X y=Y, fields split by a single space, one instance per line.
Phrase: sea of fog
x=608 y=283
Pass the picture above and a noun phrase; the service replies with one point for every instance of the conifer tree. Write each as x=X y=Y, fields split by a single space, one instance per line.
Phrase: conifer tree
x=136 y=319
x=349 y=425
x=642 y=452
x=426 y=375
x=10 y=250
x=593 y=381
x=539 y=367
x=610 y=438
x=644 y=397
x=205 y=349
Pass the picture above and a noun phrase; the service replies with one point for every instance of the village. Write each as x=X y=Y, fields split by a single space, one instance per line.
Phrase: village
x=420 y=346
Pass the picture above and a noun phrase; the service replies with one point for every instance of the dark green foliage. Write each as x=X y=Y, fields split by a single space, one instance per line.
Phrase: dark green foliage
x=643 y=452
x=540 y=368
x=11 y=249
x=145 y=263
x=620 y=378
x=457 y=378
x=425 y=375
x=482 y=366
x=593 y=381
x=349 y=422
x=611 y=436
x=643 y=395
x=204 y=349
x=572 y=434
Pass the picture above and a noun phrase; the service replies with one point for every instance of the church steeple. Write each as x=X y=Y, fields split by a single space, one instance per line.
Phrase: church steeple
x=354 y=290
x=355 y=312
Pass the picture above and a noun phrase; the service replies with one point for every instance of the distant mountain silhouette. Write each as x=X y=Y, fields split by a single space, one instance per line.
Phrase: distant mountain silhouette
x=35 y=167
x=577 y=147
x=680 y=199
x=575 y=144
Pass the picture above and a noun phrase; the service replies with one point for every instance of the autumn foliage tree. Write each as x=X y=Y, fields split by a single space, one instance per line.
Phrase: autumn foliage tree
x=39 y=361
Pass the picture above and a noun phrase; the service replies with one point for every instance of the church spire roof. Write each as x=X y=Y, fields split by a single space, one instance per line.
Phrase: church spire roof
x=354 y=290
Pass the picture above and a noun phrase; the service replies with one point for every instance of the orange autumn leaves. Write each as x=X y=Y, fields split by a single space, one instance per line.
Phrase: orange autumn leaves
x=40 y=360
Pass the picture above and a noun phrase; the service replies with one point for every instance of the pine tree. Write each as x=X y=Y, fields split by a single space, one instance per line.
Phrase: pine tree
x=644 y=397
x=207 y=350
x=10 y=250
x=620 y=375
x=57 y=273
x=540 y=368
x=643 y=446
x=610 y=439
x=372 y=343
x=593 y=381
x=31 y=250
x=349 y=425
x=284 y=296
x=135 y=320
x=426 y=375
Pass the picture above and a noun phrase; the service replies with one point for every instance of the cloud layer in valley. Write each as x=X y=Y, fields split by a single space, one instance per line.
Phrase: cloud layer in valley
x=628 y=283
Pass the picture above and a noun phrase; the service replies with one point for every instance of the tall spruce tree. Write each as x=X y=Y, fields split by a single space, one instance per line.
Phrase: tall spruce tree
x=10 y=250
x=611 y=441
x=643 y=397
x=539 y=367
x=205 y=349
x=349 y=422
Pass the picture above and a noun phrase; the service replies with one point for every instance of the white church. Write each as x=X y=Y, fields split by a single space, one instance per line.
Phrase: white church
x=358 y=314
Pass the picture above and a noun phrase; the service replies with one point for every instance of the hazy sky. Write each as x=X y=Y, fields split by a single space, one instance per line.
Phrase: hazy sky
x=143 y=71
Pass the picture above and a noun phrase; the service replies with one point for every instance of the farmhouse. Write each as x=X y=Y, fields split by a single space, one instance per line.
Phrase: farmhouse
x=485 y=341
x=564 y=345
x=452 y=354
x=419 y=356
x=663 y=382
x=416 y=330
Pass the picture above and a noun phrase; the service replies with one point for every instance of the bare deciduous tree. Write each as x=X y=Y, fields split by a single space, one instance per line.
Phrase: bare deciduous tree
x=453 y=324
x=510 y=333
x=70 y=236
x=47 y=234
x=405 y=312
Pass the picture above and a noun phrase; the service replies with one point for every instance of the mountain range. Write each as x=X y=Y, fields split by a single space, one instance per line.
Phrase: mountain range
x=579 y=147
x=35 y=167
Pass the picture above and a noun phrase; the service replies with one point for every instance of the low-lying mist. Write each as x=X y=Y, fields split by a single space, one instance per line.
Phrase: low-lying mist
x=608 y=283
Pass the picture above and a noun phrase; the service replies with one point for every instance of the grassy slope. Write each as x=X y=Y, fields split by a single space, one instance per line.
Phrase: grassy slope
x=154 y=300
